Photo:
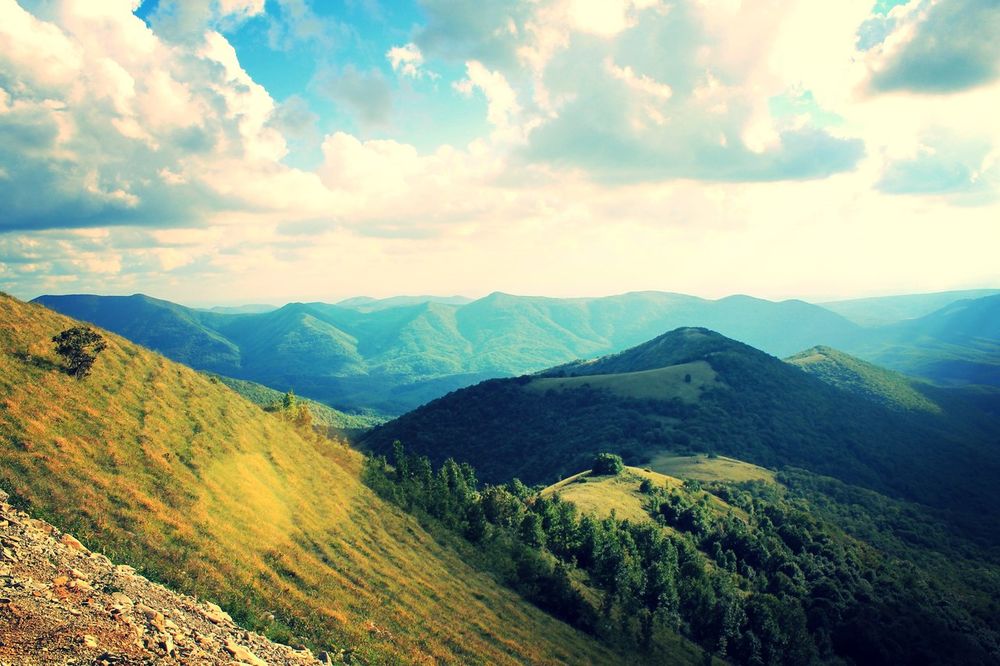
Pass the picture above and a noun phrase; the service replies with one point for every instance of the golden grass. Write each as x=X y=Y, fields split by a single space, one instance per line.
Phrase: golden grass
x=162 y=468
x=702 y=468
x=658 y=384
x=602 y=495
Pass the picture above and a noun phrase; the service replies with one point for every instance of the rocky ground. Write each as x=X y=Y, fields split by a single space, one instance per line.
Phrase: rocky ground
x=62 y=604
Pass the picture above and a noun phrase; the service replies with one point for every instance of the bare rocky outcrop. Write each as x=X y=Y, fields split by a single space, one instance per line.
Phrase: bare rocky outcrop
x=62 y=604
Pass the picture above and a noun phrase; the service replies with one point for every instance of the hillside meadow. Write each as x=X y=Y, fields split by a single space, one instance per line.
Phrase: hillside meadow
x=164 y=469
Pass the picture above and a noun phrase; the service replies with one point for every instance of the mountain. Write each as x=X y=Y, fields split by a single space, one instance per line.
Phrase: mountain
x=368 y=304
x=253 y=308
x=693 y=389
x=171 y=472
x=956 y=345
x=180 y=333
x=396 y=354
x=882 y=310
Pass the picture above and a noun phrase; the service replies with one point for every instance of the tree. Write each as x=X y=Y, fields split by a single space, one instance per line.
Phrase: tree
x=608 y=463
x=79 y=346
x=288 y=402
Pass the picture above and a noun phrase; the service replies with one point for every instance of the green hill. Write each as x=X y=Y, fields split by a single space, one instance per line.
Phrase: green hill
x=954 y=346
x=165 y=469
x=753 y=571
x=861 y=378
x=749 y=406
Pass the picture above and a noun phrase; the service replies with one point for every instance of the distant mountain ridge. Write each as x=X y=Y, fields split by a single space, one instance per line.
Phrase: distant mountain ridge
x=395 y=354
x=882 y=310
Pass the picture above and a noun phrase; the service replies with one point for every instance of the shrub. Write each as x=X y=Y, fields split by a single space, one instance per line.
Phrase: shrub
x=79 y=346
x=608 y=463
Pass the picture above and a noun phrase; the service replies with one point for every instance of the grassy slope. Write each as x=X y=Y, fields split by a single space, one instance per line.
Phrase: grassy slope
x=322 y=415
x=862 y=378
x=705 y=468
x=158 y=466
x=619 y=494
x=600 y=495
x=658 y=384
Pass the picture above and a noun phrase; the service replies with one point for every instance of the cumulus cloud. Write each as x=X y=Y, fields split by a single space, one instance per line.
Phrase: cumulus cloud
x=408 y=61
x=186 y=20
x=936 y=47
x=489 y=31
x=297 y=23
x=94 y=110
x=646 y=128
x=502 y=105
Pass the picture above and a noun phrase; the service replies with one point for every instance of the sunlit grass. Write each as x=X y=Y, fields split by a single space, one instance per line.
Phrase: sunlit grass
x=685 y=382
x=162 y=468
x=708 y=468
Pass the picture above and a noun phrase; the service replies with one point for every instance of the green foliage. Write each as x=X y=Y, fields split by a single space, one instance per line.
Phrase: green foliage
x=607 y=463
x=777 y=587
x=763 y=411
x=334 y=421
x=79 y=347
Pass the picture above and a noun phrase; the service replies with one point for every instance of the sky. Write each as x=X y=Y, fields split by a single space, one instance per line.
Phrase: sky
x=265 y=151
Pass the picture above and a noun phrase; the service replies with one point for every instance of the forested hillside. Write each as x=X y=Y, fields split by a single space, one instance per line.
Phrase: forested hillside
x=695 y=390
x=748 y=570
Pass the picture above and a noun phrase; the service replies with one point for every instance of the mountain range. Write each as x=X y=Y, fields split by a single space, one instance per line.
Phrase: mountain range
x=396 y=354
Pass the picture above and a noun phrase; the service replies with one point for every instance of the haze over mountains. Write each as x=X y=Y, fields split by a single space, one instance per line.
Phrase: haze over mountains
x=394 y=354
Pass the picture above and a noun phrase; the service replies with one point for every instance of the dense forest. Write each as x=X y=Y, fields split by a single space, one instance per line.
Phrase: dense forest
x=760 y=410
x=746 y=570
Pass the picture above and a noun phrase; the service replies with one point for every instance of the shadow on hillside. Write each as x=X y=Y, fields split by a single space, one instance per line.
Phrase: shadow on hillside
x=38 y=361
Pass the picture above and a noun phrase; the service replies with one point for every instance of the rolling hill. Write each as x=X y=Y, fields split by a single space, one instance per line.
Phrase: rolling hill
x=853 y=375
x=695 y=390
x=882 y=310
x=170 y=471
x=956 y=345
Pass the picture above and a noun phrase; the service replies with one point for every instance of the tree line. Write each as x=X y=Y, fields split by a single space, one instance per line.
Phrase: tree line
x=753 y=578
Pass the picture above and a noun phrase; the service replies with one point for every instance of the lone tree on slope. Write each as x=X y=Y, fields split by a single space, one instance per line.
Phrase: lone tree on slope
x=607 y=463
x=79 y=346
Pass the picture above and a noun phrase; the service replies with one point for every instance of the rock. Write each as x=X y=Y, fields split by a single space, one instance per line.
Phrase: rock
x=121 y=600
x=88 y=641
x=154 y=618
x=166 y=642
x=59 y=581
x=70 y=541
x=215 y=614
x=240 y=653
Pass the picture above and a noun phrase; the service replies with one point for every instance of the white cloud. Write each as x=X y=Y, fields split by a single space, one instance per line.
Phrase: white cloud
x=502 y=104
x=408 y=61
